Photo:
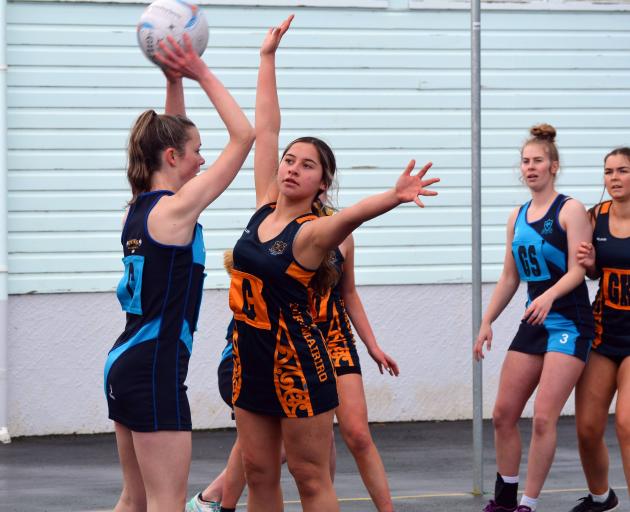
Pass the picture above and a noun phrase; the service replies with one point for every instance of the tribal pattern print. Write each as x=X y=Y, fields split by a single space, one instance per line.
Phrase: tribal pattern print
x=289 y=380
x=237 y=378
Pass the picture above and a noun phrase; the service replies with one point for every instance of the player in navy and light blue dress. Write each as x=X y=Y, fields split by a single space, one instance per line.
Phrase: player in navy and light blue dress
x=553 y=340
x=162 y=284
x=607 y=372
x=284 y=383
x=223 y=493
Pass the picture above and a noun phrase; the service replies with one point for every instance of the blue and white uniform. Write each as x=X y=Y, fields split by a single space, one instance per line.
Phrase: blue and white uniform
x=540 y=252
x=161 y=292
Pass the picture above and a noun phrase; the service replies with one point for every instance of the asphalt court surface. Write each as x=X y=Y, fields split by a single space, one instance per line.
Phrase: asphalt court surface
x=429 y=465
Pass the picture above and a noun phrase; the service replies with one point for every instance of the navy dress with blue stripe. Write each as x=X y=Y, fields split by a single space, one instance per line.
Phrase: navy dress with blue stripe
x=540 y=252
x=161 y=292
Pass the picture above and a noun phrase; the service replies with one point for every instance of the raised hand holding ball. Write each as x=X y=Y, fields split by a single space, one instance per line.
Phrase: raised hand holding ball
x=175 y=18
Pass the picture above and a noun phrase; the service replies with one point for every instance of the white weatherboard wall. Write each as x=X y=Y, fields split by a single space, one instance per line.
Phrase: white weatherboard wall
x=382 y=86
x=56 y=366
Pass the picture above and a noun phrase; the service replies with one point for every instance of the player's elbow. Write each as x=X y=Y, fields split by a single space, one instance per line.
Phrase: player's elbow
x=245 y=137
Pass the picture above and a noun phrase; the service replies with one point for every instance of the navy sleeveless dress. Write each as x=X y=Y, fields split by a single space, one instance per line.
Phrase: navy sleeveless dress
x=161 y=292
x=611 y=307
x=281 y=366
x=332 y=319
x=540 y=252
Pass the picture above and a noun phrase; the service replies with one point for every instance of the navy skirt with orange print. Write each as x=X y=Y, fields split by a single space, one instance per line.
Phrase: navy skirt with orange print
x=281 y=366
x=282 y=376
x=332 y=319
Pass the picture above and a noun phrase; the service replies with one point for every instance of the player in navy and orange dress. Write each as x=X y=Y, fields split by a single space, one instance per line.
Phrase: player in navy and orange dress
x=333 y=312
x=223 y=493
x=608 y=368
x=553 y=341
x=331 y=318
x=162 y=285
x=284 y=383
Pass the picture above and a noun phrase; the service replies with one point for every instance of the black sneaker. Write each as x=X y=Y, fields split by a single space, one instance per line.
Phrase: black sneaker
x=588 y=505
x=493 y=507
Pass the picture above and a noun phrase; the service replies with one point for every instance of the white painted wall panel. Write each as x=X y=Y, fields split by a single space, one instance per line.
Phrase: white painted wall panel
x=426 y=328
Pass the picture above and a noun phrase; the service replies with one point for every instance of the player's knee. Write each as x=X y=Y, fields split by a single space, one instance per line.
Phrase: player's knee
x=503 y=418
x=358 y=439
x=543 y=423
x=258 y=474
x=309 y=477
x=589 y=432
x=622 y=425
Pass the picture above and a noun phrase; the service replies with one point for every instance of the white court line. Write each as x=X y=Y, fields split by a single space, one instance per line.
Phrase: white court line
x=410 y=497
x=440 y=495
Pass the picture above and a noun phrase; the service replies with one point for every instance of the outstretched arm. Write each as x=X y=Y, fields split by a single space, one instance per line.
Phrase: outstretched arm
x=357 y=314
x=318 y=237
x=267 y=123
x=200 y=191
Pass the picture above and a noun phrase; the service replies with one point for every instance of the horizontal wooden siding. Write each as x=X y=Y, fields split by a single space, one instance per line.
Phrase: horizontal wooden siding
x=381 y=86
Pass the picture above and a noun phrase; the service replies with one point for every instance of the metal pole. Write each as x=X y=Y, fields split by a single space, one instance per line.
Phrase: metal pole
x=4 y=395
x=476 y=240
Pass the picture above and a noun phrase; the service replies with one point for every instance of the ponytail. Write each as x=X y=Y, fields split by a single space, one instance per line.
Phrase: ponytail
x=327 y=275
x=151 y=134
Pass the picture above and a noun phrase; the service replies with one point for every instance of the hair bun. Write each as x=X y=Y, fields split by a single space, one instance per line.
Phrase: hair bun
x=543 y=132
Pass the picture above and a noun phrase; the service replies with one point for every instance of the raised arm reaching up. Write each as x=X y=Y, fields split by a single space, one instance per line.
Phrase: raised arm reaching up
x=267 y=123
x=179 y=212
x=175 y=103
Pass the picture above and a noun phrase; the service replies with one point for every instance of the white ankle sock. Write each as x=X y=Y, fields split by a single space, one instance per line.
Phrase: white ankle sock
x=600 y=498
x=529 y=502
x=510 y=479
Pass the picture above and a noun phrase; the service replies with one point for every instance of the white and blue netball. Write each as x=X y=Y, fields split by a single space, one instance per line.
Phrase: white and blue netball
x=164 y=18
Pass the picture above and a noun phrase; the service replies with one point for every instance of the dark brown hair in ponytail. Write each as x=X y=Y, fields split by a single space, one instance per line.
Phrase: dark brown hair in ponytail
x=151 y=134
x=327 y=274
x=228 y=261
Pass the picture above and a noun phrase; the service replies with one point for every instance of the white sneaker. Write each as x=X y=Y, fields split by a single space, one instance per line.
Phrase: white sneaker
x=196 y=504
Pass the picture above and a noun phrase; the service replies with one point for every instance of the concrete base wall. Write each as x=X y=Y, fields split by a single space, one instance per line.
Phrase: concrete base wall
x=58 y=345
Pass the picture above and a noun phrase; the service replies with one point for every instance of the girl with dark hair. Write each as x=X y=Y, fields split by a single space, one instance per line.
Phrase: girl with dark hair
x=607 y=257
x=284 y=383
x=162 y=285
x=554 y=337
x=334 y=311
